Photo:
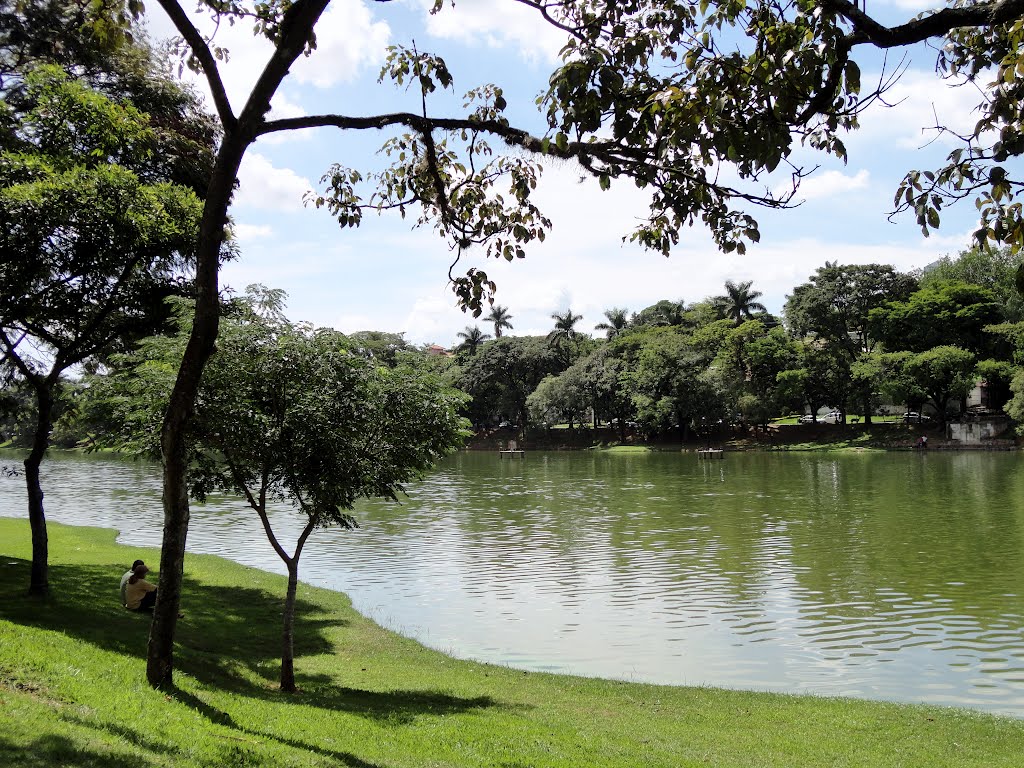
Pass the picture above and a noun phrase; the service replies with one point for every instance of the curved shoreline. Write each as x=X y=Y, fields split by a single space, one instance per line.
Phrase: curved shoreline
x=373 y=698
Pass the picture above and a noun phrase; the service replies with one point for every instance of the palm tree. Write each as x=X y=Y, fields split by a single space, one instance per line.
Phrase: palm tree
x=565 y=327
x=617 y=321
x=564 y=333
x=500 y=317
x=739 y=301
x=472 y=339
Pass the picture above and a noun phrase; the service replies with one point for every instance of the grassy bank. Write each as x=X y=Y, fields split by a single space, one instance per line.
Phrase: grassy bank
x=72 y=691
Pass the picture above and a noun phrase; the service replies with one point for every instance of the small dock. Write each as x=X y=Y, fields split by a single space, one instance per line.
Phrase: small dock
x=512 y=454
x=710 y=453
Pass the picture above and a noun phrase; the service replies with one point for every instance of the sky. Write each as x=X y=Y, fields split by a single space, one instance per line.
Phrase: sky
x=387 y=276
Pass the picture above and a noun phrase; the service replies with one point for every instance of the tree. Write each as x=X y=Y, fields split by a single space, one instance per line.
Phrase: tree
x=92 y=235
x=604 y=372
x=750 y=358
x=663 y=313
x=820 y=377
x=834 y=305
x=501 y=318
x=1015 y=407
x=472 y=339
x=834 y=309
x=645 y=95
x=616 y=321
x=939 y=375
x=592 y=384
x=383 y=347
x=504 y=374
x=669 y=386
x=740 y=302
x=557 y=399
x=288 y=414
x=564 y=333
x=944 y=313
x=992 y=268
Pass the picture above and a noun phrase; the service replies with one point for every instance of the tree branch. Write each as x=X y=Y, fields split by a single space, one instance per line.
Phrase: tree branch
x=202 y=52
x=296 y=31
x=610 y=153
x=867 y=30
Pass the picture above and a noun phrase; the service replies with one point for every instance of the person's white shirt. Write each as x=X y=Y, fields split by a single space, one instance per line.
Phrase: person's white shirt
x=124 y=583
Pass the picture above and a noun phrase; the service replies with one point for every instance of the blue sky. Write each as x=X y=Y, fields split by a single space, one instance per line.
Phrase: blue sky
x=385 y=276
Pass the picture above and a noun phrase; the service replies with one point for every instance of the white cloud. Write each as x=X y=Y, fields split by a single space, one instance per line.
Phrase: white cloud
x=486 y=24
x=348 y=40
x=831 y=183
x=429 y=320
x=265 y=187
x=353 y=323
x=246 y=232
x=920 y=100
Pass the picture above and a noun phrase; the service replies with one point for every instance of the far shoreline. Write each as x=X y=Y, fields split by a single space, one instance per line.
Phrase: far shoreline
x=878 y=436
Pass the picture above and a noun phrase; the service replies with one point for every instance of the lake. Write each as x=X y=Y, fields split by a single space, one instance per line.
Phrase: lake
x=895 y=576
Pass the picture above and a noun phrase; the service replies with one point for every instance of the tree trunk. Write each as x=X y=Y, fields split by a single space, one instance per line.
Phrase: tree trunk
x=288 y=634
x=173 y=438
x=39 y=579
x=296 y=29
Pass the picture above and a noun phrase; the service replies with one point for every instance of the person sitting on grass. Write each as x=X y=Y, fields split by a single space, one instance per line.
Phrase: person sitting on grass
x=124 y=580
x=139 y=594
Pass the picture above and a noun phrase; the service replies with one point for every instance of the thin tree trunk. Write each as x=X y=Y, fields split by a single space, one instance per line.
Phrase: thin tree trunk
x=288 y=634
x=39 y=579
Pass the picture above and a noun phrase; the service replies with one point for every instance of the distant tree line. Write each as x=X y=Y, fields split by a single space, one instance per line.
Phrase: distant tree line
x=853 y=337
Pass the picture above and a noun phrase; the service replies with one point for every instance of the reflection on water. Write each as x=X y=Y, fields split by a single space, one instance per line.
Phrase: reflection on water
x=893 y=576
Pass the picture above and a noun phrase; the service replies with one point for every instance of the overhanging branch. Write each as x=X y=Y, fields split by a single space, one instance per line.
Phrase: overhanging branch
x=866 y=30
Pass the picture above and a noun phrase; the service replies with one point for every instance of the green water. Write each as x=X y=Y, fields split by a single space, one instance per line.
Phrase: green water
x=882 y=575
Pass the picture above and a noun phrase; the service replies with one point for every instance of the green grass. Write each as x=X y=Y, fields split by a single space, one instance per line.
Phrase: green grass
x=72 y=691
x=626 y=449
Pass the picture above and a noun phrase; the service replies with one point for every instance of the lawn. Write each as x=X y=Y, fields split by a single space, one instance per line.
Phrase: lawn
x=73 y=691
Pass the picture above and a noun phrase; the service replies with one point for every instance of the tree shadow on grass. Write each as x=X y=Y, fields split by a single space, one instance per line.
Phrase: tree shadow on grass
x=227 y=636
x=50 y=750
x=393 y=707
x=400 y=707
x=215 y=715
x=240 y=750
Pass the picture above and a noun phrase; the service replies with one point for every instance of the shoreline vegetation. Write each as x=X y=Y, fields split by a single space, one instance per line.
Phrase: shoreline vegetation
x=73 y=691
x=882 y=436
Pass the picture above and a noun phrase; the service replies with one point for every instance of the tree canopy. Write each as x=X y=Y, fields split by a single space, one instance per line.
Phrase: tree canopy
x=288 y=414
x=98 y=209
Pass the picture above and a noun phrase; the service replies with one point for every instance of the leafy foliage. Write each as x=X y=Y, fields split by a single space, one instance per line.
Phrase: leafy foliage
x=671 y=95
x=740 y=301
x=288 y=414
x=945 y=313
x=995 y=269
x=834 y=306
